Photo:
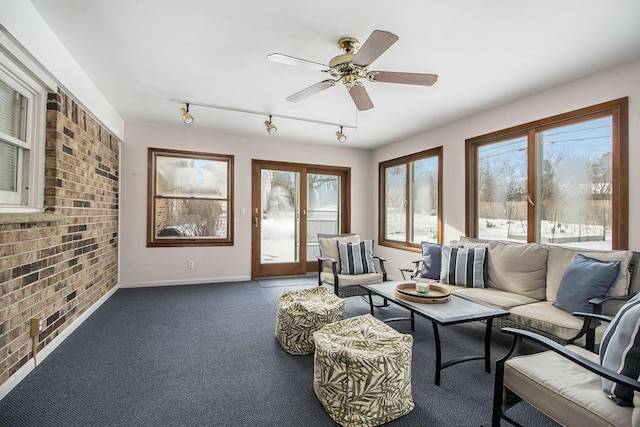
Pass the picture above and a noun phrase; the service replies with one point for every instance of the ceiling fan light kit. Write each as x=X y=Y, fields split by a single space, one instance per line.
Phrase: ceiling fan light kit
x=352 y=66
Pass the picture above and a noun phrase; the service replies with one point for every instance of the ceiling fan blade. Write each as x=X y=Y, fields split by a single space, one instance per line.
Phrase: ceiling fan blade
x=290 y=60
x=311 y=90
x=361 y=98
x=404 y=78
x=377 y=43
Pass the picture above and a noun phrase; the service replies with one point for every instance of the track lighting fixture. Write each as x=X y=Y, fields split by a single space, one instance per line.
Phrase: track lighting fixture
x=270 y=126
x=187 y=118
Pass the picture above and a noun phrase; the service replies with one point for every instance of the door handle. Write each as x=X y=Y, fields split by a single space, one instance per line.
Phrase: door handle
x=256 y=221
x=530 y=200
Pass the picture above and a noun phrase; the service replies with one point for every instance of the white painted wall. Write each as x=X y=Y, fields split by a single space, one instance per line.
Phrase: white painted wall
x=618 y=82
x=142 y=266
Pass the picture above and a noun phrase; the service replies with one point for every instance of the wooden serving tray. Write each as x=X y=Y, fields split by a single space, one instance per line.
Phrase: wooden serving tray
x=436 y=295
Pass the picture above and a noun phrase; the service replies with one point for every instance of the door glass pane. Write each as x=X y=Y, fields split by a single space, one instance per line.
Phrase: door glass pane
x=323 y=210
x=280 y=231
x=502 y=190
x=574 y=184
x=395 y=201
x=424 y=200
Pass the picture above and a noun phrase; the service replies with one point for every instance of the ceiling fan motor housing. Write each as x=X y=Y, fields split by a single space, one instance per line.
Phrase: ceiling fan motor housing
x=343 y=68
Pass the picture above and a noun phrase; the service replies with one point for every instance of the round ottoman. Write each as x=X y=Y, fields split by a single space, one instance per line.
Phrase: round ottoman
x=362 y=371
x=301 y=313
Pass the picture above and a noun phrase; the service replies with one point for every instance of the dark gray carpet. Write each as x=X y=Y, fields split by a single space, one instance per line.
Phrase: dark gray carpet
x=288 y=281
x=206 y=355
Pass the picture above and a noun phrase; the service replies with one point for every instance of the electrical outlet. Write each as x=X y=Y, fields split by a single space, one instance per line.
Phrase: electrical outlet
x=190 y=265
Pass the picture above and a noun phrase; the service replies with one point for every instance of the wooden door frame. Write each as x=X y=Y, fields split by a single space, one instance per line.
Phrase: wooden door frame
x=256 y=216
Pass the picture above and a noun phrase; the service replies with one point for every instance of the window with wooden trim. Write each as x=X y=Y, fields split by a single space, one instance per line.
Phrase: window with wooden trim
x=410 y=206
x=190 y=199
x=560 y=180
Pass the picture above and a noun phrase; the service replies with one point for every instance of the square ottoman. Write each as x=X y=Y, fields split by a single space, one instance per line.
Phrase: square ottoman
x=362 y=371
x=301 y=313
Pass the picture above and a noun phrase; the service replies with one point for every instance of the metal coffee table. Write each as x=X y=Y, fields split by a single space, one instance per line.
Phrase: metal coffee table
x=458 y=310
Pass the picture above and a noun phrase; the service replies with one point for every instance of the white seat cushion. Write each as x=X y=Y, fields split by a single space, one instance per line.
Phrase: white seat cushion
x=545 y=317
x=495 y=297
x=352 y=280
x=564 y=391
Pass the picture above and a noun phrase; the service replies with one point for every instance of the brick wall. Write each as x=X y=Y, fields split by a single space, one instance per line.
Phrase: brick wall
x=56 y=270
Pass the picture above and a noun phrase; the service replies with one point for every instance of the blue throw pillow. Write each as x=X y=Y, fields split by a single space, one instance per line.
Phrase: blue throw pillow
x=463 y=266
x=431 y=255
x=584 y=279
x=620 y=351
x=356 y=258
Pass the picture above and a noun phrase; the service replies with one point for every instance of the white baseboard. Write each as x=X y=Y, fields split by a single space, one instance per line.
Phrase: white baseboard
x=21 y=373
x=185 y=282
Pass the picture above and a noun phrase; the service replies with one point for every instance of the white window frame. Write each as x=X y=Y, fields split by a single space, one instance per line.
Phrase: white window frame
x=25 y=80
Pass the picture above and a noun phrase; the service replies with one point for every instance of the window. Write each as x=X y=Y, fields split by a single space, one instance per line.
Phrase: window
x=411 y=199
x=561 y=180
x=22 y=110
x=189 y=199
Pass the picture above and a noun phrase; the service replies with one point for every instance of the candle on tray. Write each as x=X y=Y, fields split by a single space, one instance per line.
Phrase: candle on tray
x=422 y=288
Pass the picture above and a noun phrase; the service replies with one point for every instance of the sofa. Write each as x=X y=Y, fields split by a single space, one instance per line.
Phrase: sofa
x=526 y=278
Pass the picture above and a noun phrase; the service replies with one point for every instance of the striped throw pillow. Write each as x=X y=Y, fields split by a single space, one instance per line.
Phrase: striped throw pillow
x=620 y=350
x=356 y=258
x=463 y=266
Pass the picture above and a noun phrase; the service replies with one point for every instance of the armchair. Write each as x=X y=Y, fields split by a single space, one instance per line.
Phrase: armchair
x=331 y=272
x=566 y=382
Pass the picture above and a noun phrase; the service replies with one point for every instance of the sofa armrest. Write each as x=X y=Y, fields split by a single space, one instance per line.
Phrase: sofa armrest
x=589 y=325
x=598 y=302
x=599 y=370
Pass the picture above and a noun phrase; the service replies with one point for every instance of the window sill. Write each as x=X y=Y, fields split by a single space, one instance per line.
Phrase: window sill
x=22 y=218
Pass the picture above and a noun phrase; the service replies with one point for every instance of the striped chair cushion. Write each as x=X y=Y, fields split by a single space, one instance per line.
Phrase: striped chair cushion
x=356 y=258
x=463 y=266
x=620 y=350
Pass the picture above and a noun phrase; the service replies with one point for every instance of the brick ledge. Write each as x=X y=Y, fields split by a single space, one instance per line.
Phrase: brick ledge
x=22 y=218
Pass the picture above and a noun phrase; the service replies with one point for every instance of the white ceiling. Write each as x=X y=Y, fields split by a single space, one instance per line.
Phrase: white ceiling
x=145 y=54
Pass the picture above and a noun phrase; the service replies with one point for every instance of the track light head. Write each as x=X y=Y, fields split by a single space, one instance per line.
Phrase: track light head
x=187 y=118
x=270 y=126
x=341 y=136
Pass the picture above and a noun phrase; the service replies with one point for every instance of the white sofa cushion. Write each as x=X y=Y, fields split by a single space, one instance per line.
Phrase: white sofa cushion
x=543 y=316
x=519 y=268
x=495 y=297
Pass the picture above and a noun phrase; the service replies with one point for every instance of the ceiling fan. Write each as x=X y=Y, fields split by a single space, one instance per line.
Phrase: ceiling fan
x=352 y=66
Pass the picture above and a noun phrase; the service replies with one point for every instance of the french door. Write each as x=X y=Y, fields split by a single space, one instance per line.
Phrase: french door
x=291 y=204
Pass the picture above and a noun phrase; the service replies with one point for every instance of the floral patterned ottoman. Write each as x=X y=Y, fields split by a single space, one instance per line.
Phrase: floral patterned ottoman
x=301 y=313
x=362 y=371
